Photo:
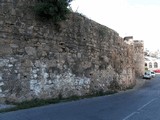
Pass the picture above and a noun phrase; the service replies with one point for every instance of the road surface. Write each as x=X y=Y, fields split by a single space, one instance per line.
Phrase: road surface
x=138 y=104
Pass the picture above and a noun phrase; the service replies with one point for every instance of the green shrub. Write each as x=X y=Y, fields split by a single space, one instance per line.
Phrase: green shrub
x=52 y=9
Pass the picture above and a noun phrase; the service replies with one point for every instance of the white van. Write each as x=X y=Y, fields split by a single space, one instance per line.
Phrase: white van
x=147 y=75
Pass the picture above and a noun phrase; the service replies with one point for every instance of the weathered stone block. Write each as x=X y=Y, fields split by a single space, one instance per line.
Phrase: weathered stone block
x=5 y=50
x=30 y=51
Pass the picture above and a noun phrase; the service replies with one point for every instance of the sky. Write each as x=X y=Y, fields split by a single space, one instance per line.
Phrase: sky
x=137 y=18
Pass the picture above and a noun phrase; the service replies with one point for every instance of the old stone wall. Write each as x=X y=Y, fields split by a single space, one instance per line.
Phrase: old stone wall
x=139 y=57
x=37 y=61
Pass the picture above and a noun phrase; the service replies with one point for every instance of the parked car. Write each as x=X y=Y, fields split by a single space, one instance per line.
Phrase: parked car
x=153 y=74
x=157 y=71
x=147 y=75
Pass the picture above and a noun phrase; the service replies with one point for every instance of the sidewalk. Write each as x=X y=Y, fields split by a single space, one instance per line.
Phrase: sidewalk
x=4 y=106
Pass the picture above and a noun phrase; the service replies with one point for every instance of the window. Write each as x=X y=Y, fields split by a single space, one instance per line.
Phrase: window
x=150 y=65
x=146 y=64
x=155 y=65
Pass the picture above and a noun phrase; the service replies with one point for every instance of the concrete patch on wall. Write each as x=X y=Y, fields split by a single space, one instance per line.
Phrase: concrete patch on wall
x=65 y=84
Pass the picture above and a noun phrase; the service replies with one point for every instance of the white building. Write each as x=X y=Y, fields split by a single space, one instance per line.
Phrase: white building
x=152 y=63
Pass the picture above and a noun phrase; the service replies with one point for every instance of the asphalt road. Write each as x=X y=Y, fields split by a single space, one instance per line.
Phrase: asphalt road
x=138 y=104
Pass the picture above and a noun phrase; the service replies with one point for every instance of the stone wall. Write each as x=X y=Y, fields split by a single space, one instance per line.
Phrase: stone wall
x=139 y=57
x=81 y=58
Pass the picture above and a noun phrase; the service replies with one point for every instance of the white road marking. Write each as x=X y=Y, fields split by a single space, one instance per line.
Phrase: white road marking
x=130 y=115
x=133 y=113
x=147 y=104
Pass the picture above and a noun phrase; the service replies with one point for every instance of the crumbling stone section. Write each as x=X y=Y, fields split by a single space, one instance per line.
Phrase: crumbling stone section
x=138 y=46
x=139 y=57
x=37 y=61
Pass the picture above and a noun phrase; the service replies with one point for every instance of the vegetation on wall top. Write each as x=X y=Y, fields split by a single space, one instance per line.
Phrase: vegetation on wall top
x=52 y=9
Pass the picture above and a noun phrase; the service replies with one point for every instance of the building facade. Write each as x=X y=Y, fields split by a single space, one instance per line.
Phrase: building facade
x=151 y=63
